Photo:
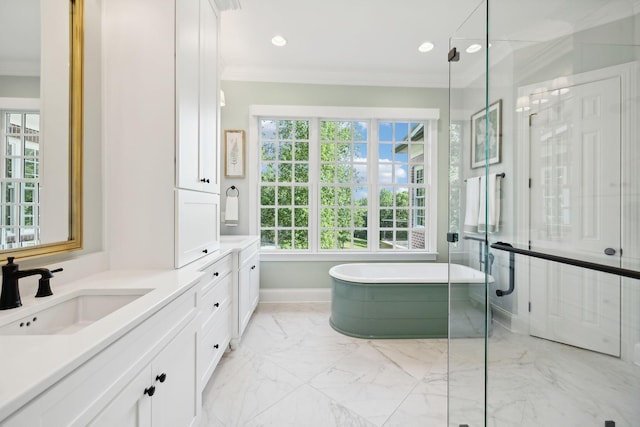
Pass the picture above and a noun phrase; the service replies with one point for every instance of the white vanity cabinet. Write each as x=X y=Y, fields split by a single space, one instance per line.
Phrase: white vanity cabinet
x=197 y=96
x=214 y=306
x=162 y=394
x=247 y=289
x=147 y=377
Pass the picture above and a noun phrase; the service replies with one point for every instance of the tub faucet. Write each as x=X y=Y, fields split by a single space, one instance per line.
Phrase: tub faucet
x=10 y=294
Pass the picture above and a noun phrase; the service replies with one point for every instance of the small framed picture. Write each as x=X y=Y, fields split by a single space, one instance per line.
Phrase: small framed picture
x=234 y=153
x=479 y=135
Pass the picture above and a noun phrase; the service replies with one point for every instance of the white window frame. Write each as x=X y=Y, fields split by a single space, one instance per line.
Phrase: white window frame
x=18 y=206
x=428 y=115
x=416 y=206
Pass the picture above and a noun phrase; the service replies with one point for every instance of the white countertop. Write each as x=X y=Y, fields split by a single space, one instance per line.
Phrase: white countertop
x=29 y=364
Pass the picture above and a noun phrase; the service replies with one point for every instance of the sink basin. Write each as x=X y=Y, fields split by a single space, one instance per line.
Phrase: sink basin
x=70 y=313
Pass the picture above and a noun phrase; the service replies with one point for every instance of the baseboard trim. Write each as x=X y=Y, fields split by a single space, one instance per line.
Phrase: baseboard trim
x=295 y=295
x=502 y=317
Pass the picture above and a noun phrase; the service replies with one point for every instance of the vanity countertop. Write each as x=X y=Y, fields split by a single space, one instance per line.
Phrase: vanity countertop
x=30 y=364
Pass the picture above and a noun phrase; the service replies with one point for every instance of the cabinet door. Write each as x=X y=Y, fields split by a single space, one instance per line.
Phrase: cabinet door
x=197 y=228
x=209 y=94
x=132 y=406
x=187 y=93
x=255 y=280
x=248 y=290
x=244 y=297
x=174 y=376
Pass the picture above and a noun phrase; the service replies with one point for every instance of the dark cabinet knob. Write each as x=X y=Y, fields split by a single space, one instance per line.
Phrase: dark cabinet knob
x=205 y=251
x=216 y=346
x=216 y=274
x=150 y=391
x=161 y=377
x=205 y=180
x=253 y=267
x=610 y=251
x=216 y=304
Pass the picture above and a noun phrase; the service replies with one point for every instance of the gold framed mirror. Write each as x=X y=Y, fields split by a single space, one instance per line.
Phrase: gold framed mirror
x=29 y=196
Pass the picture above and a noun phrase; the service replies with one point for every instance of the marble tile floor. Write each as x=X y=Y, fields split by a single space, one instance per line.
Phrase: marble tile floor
x=293 y=369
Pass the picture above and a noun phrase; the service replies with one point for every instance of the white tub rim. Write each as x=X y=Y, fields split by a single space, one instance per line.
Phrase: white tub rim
x=348 y=272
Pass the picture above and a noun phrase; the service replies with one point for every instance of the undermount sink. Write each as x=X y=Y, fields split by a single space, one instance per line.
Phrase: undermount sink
x=73 y=312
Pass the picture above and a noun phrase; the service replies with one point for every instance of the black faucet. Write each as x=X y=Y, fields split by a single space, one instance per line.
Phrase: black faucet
x=10 y=295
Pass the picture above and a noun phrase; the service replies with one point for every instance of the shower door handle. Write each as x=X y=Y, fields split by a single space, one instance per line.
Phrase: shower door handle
x=610 y=251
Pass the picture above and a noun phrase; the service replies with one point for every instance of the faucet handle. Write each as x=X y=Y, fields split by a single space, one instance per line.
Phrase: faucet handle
x=57 y=270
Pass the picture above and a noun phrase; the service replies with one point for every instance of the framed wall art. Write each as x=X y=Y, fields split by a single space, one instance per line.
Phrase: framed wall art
x=234 y=153
x=479 y=135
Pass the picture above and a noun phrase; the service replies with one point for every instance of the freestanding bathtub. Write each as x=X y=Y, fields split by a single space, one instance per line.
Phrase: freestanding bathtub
x=401 y=300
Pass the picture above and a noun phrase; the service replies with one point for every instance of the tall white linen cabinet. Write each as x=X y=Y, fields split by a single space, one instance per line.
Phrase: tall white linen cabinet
x=161 y=132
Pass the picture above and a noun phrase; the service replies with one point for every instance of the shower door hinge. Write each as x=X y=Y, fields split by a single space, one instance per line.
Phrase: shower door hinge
x=609 y=424
x=529 y=182
x=529 y=306
x=454 y=55
x=452 y=237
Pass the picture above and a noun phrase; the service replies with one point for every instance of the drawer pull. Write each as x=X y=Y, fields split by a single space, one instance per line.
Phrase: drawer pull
x=161 y=377
x=150 y=391
x=216 y=346
x=216 y=304
x=216 y=274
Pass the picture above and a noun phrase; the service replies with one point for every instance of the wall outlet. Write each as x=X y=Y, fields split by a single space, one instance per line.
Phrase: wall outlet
x=636 y=354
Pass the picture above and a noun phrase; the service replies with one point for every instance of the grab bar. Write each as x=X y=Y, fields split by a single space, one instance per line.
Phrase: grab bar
x=569 y=261
x=512 y=274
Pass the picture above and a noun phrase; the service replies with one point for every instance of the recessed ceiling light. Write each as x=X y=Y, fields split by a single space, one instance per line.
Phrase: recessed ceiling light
x=425 y=47
x=278 y=41
x=474 y=48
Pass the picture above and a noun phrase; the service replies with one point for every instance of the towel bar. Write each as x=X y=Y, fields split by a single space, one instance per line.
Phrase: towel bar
x=501 y=175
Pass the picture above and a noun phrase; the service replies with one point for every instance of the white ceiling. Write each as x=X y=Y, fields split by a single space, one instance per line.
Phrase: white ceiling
x=341 y=41
x=374 y=42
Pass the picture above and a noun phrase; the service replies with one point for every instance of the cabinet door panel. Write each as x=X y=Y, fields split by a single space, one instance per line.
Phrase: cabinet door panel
x=208 y=158
x=132 y=407
x=174 y=376
x=198 y=231
x=187 y=92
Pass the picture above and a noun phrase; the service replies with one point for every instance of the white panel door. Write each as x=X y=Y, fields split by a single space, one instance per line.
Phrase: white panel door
x=575 y=212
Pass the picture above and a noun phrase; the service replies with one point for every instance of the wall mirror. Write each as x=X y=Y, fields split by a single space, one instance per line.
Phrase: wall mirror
x=41 y=82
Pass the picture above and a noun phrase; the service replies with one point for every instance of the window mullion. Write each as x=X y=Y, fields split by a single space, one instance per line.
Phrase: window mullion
x=314 y=189
x=374 y=190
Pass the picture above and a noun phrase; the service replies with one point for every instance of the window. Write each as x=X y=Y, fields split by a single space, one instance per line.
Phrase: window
x=19 y=181
x=340 y=180
x=284 y=184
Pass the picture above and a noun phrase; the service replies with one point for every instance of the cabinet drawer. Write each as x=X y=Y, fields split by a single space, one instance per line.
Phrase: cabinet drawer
x=249 y=251
x=216 y=272
x=213 y=341
x=216 y=299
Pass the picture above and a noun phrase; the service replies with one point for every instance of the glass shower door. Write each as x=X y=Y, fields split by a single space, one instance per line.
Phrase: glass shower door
x=469 y=316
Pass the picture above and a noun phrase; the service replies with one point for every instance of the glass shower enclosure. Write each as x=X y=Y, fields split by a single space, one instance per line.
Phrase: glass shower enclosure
x=544 y=201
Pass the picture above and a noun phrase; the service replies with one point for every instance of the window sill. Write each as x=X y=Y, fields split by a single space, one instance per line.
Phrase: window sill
x=267 y=255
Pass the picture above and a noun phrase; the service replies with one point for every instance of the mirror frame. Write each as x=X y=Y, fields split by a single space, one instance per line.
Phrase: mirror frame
x=76 y=85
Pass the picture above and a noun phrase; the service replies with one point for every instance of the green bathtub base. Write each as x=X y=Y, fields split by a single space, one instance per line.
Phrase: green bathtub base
x=396 y=310
x=400 y=335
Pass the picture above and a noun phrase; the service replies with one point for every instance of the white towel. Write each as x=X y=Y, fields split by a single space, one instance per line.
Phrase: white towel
x=472 y=205
x=489 y=204
x=231 y=211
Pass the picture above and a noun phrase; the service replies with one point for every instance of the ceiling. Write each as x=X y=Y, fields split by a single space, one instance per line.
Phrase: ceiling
x=363 y=42
x=375 y=42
